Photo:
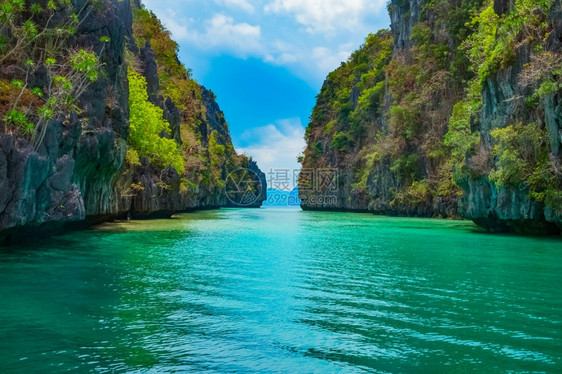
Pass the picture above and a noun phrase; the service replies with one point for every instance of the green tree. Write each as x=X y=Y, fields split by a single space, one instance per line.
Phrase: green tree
x=147 y=124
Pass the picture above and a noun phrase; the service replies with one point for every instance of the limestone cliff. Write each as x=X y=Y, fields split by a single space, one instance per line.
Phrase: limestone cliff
x=64 y=128
x=461 y=118
x=381 y=118
x=527 y=202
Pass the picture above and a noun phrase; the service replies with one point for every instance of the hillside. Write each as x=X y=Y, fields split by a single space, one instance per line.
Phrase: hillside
x=454 y=112
x=100 y=120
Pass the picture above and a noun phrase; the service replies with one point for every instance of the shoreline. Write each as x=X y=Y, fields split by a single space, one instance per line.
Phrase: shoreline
x=28 y=234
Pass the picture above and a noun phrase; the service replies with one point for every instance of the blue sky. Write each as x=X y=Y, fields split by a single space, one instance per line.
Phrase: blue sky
x=266 y=61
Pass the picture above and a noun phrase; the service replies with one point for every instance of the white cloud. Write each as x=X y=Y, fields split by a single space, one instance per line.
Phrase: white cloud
x=282 y=53
x=327 y=16
x=309 y=63
x=223 y=25
x=179 y=32
x=276 y=146
x=327 y=59
x=241 y=4
x=220 y=32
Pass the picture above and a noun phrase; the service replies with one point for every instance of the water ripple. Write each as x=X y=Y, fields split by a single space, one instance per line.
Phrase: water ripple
x=393 y=295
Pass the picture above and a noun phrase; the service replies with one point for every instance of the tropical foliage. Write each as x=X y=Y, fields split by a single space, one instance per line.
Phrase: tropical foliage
x=32 y=40
x=416 y=110
x=147 y=127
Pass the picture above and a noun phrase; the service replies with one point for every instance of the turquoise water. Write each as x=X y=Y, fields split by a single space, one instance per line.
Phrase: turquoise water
x=281 y=290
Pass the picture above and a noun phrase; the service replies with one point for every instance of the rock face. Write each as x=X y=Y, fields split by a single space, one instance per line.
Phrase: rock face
x=383 y=141
x=333 y=155
x=78 y=175
x=502 y=208
x=391 y=125
x=404 y=15
x=72 y=176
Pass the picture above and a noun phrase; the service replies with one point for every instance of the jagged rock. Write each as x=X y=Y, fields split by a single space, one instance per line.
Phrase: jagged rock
x=215 y=116
x=150 y=72
x=510 y=208
x=404 y=15
x=173 y=116
x=501 y=6
x=77 y=176
x=504 y=103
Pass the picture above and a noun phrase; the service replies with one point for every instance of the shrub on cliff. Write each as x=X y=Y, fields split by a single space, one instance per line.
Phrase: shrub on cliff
x=34 y=38
x=520 y=154
x=147 y=124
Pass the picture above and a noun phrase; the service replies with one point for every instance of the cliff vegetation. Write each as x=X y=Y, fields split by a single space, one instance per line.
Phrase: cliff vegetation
x=454 y=112
x=100 y=120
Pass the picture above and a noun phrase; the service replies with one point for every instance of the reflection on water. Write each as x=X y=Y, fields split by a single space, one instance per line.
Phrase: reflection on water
x=281 y=290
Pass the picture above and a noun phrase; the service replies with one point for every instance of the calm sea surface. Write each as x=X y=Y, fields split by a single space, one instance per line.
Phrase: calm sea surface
x=282 y=291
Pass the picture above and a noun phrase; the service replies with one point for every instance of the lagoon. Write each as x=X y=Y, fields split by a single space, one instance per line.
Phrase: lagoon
x=282 y=290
